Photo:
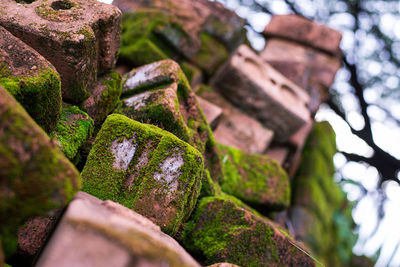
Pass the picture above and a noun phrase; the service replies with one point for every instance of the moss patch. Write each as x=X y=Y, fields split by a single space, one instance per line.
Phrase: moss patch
x=143 y=184
x=253 y=178
x=40 y=95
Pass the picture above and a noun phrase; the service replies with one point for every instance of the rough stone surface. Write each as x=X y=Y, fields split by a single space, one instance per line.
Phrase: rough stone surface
x=109 y=234
x=278 y=153
x=162 y=96
x=235 y=128
x=302 y=30
x=31 y=79
x=79 y=37
x=224 y=264
x=255 y=179
x=249 y=82
x=146 y=169
x=104 y=97
x=310 y=69
x=225 y=230
x=211 y=111
x=72 y=131
x=35 y=177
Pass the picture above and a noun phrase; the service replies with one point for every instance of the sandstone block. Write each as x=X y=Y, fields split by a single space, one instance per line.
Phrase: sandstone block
x=212 y=112
x=235 y=128
x=250 y=83
x=79 y=37
x=146 y=169
x=103 y=98
x=72 y=131
x=160 y=94
x=255 y=179
x=305 y=31
x=310 y=69
x=35 y=176
x=224 y=229
x=278 y=153
x=109 y=234
x=31 y=79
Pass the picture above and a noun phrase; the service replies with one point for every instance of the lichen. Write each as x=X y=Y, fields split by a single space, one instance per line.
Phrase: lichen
x=40 y=95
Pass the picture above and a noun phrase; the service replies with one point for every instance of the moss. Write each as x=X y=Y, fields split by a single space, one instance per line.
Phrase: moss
x=192 y=73
x=211 y=54
x=74 y=128
x=253 y=178
x=36 y=177
x=40 y=95
x=136 y=187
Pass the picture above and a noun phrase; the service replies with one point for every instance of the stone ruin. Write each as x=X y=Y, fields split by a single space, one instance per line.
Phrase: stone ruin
x=189 y=147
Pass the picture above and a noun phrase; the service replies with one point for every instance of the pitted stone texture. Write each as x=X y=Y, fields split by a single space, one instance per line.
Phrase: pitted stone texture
x=305 y=31
x=196 y=17
x=31 y=79
x=35 y=176
x=310 y=69
x=110 y=234
x=255 y=179
x=79 y=37
x=146 y=169
x=224 y=229
x=212 y=112
x=160 y=94
x=250 y=83
x=235 y=128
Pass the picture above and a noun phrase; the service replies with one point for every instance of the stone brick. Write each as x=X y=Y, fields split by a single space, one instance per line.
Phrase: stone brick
x=305 y=31
x=310 y=69
x=79 y=37
x=211 y=111
x=250 y=83
x=235 y=128
x=146 y=169
x=278 y=153
x=224 y=264
x=109 y=234
x=224 y=229
x=31 y=79
x=35 y=176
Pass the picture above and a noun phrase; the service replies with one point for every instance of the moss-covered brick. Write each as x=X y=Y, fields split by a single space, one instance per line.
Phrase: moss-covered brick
x=192 y=73
x=31 y=79
x=150 y=35
x=74 y=128
x=104 y=97
x=315 y=193
x=146 y=169
x=35 y=176
x=223 y=229
x=211 y=55
x=253 y=178
x=160 y=94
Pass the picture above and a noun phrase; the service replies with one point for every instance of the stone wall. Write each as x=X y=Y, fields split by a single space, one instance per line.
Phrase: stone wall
x=188 y=148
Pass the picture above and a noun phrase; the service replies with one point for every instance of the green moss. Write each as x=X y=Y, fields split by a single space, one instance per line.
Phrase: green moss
x=136 y=187
x=192 y=73
x=36 y=177
x=253 y=178
x=40 y=95
x=74 y=128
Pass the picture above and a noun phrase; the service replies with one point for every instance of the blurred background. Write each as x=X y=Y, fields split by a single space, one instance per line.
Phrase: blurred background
x=363 y=108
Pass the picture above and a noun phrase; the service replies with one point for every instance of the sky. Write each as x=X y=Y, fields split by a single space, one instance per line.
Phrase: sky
x=364 y=214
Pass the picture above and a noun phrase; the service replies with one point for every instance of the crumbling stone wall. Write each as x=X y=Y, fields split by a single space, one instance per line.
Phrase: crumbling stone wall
x=191 y=136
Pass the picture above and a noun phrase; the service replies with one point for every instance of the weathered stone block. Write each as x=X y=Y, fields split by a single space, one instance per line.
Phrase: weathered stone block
x=162 y=96
x=255 y=179
x=104 y=97
x=212 y=112
x=310 y=69
x=278 y=153
x=109 y=234
x=223 y=264
x=72 y=131
x=250 y=83
x=35 y=176
x=235 y=128
x=305 y=31
x=79 y=37
x=31 y=79
x=224 y=229
x=146 y=169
